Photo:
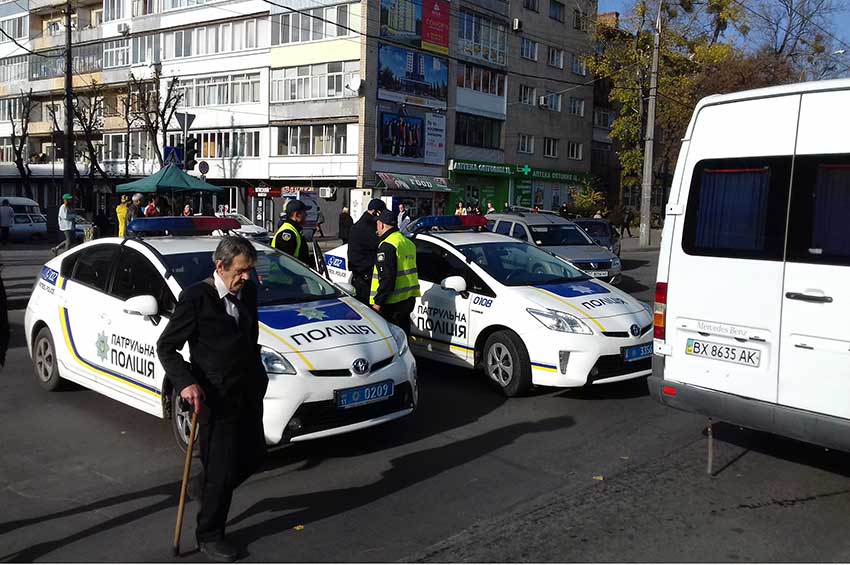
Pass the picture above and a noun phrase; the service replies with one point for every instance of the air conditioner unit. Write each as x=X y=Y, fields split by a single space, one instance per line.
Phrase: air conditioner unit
x=327 y=191
x=517 y=24
x=543 y=101
x=123 y=29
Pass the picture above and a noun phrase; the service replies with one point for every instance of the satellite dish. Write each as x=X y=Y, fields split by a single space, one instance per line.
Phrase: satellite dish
x=355 y=84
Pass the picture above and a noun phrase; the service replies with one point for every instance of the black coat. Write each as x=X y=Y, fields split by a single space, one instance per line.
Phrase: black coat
x=363 y=245
x=225 y=355
x=345 y=223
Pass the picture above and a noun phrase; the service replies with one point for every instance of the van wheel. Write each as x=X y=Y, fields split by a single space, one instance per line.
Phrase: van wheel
x=506 y=362
x=181 y=424
x=44 y=361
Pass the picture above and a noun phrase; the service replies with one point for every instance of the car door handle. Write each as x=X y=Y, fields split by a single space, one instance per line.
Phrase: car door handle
x=808 y=297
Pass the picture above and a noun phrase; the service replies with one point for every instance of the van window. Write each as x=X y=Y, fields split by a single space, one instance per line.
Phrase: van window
x=820 y=208
x=737 y=208
x=503 y=227
x=520 y=233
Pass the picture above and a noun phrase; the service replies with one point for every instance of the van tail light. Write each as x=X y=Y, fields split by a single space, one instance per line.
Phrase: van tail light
x=660 y=316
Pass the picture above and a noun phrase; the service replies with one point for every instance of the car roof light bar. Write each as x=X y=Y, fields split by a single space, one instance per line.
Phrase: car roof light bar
x=189 y=225
x=450 y=223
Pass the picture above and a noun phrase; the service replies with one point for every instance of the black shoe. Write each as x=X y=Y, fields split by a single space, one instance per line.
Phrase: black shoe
x=220 y=550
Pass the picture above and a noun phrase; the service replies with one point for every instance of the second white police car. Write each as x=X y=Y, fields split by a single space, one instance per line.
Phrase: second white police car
x=96 y=313
x=524 y=315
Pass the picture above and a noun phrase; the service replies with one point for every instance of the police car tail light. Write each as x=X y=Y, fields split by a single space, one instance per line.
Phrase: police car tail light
x=660 y=316
x=275 y=363
x=560 y=321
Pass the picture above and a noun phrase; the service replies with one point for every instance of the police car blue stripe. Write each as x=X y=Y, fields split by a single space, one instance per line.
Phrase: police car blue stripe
x=292 y=315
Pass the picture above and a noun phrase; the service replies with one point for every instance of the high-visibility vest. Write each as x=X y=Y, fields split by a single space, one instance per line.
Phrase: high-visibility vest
x=406 y=278
x=286 y=226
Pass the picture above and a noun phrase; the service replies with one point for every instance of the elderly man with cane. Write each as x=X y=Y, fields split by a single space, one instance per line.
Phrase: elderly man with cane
x=225 y=383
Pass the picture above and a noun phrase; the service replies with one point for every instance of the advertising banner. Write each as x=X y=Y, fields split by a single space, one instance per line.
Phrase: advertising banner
x=416 y=135
x=422 y=24
x=411 y=77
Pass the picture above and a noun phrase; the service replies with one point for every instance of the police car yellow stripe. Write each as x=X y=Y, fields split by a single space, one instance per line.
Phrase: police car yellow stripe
x=101 y=371
x=576 y=308
x=300 y=355
x=544 y=367
x=446 y=344
x=368 y=318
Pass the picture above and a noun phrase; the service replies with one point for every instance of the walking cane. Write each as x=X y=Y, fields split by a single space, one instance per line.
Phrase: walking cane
x=186 y=467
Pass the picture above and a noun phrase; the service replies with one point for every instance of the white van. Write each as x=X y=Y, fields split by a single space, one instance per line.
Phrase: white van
x=30 y=223
x=752 y=313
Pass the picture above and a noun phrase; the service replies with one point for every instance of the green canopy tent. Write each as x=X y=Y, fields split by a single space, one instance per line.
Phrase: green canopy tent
x=169 y=179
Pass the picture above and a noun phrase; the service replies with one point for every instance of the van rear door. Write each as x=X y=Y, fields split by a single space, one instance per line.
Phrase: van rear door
x=726 y=265
x=814 y=368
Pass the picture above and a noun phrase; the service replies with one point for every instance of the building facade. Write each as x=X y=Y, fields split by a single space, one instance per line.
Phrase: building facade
x=429 y=101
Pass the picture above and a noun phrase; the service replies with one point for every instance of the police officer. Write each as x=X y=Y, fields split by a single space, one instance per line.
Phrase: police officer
x=288 y=237
x=395 y=283
x=362 y=247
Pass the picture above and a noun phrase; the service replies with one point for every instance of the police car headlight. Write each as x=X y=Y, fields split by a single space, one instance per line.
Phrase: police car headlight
x=275 y=363
x=400 y=339
x=615 y=263
x=560 y=321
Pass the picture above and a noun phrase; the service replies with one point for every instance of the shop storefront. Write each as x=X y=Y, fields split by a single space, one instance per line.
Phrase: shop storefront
x=422 y=195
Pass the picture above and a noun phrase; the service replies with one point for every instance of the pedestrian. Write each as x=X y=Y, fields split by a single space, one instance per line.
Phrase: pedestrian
x=460 y=210
x=150 y=209
x=288 y=237
x=320 y=219
x=134 y=210
x=7 y=218
x=564 y=211
x=395 y=283
x=187 y=210
x=507 y=208
x=224 y=382
x=626 y=222
x=121 y=214
x=403 y=217
x=490 y=208
x=362 y=248
x=101 y=222
x=4 y=322
x=67 y=219
x=345 y=223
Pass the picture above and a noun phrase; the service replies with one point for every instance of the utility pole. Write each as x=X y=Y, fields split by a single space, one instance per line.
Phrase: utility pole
x=68 y=162
x=646 y=189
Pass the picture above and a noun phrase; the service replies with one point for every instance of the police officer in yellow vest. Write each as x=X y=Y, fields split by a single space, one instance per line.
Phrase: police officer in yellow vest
x=288 y=237
x=395 y=284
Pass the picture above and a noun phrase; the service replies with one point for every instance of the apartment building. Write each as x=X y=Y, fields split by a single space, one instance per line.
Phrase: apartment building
x=424 y=100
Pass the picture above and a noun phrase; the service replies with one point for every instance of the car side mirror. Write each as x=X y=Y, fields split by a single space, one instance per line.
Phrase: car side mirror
x=144 y=305
x=348 y=288
x=455 y=283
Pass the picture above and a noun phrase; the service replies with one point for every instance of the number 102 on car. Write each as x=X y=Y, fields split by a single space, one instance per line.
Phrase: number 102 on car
x=727 y=353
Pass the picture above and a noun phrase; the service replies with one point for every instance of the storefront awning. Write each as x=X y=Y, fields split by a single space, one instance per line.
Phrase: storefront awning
x=393 y=181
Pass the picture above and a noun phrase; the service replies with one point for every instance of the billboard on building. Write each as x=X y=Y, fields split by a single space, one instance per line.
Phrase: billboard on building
x=422 y=24
x=416 y=135
x=411 y=77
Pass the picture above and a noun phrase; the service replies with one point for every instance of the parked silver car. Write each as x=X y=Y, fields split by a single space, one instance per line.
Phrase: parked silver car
x=561 y=237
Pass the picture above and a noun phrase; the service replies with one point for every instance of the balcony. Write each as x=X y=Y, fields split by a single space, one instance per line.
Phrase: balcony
x=46 y=5
x=57 y=41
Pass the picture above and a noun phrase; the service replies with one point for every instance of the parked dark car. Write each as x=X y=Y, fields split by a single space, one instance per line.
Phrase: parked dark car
x=602 y=232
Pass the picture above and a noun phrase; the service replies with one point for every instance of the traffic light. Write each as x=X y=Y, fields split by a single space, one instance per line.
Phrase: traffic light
x=190 y=152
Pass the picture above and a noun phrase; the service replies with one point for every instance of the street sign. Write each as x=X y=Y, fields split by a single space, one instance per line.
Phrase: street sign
x=204 y=167
x=185 y=120
x=173 y=155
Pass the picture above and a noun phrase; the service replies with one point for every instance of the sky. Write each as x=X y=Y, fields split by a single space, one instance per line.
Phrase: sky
x=840 y=28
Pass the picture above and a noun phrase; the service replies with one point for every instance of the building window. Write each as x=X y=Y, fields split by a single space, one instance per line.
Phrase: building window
x=16 y=28
x=14 y=68
x=527 y=94
x=579 y=20
x=550 y=147
x=528 y=49
x=478 y=131
x=556 y=57
x=603 y=119
x=96 y=18
x=145 y=7
x=574 y=150
x=531 y=5
x=579 y=65
x=553 y=102
x=312 y=25
x=482 y=38
x=223 y=144
x=328 y=139
x=525 y=143
x=11 y=109
x=245 y=88
x=577 y=106
x=314 y=82
x=480 y=79
x=114 y=147
x=116 y=53
x=7 y=153
x=211 y=39
x=220 y=90
x=113 y=10
x=140 y=146
x=145 y=49
x=557 y=11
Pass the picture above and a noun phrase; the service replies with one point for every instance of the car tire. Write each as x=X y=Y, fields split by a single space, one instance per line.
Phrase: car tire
x=506 y=363
x=44 y=361
x=181 y=422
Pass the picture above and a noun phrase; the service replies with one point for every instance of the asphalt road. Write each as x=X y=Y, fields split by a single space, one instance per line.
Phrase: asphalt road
x=599 y=474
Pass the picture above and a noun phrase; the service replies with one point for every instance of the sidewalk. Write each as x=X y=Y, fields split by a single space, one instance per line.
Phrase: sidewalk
x=21 y=265
x=633 y=243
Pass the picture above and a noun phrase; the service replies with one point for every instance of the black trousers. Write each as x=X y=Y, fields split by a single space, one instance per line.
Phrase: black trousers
x=625 y=228
x=362 y=284
x=232 y=448
x=399 y=313
x=4 y=235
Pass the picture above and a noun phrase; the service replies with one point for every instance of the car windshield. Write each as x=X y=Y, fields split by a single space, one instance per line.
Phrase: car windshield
x=559 y=234
x=520 y=264
x=279 y=278
x=595 y=229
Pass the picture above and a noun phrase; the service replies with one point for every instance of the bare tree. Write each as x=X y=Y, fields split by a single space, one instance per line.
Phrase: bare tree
x=132 y=120
x=88 y=117
x=155 y=109
x=20 y=138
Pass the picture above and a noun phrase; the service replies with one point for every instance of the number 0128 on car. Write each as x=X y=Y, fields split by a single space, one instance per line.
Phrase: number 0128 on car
x=720 y=352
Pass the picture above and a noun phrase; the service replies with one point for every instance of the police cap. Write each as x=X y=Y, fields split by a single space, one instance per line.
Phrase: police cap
x=387 y=217
x=377 y=204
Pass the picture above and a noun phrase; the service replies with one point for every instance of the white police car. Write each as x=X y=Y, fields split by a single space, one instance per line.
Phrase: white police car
x=522 y=313
x=96 y=313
